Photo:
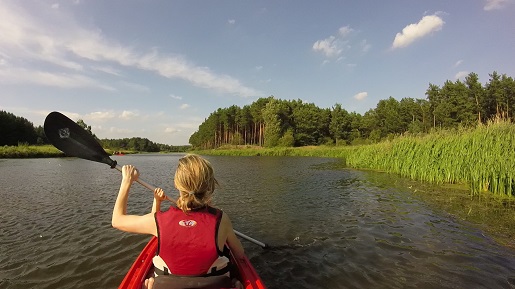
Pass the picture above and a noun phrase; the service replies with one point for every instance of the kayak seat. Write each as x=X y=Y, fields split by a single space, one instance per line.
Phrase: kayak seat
x=185 y=282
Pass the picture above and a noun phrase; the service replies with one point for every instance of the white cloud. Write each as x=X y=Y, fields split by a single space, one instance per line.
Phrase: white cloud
x=172 y=130
x=100 y=115
x=175 y=96
x=461 y=75
x=231 y=21
x=458 y=63
x=43 y=78
x=361 y=95
x=135 y=86
x=121 y=131
x=107 y=69
x=333 y=46
x=329 y=47
x=495 y=4
x=341 y=46
x=412 y=32
x=184 y=106
x=126 y=114
x=345 y=31
x=92 y=46
x=26 y=38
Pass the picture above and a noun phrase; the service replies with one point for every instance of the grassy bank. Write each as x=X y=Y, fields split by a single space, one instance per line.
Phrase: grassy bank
x=467 y=173
x=45 y=151
x=29 y=151
x=42 y=151
x=120 y=152
x=482 y=158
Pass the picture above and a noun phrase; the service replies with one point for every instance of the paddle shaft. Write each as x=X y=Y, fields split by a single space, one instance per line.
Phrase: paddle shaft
x=140 y=181
x=152 y=188
x=251 y=239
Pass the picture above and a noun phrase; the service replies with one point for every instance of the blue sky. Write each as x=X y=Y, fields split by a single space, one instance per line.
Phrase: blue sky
x=157 y=69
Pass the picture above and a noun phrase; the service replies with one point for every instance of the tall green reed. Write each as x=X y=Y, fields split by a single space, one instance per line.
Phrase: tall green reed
x=483 y=158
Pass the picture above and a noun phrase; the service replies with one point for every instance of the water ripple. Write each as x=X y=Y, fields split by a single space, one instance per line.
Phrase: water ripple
x=328 y=227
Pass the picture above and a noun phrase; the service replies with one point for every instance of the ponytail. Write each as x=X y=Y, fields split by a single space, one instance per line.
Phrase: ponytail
x=194 y=178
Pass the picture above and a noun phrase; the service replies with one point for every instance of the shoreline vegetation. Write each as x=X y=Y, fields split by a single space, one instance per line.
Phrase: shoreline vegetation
x=44 y=151
x=469 y=173
x=481 y=158
x=29 y=151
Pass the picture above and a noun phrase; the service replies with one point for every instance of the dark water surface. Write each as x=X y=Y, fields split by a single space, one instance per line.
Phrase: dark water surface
x=329 y=227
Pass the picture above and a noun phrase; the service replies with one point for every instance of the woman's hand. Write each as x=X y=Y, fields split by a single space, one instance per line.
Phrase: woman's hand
x=145 y=224
x=129 y=173
x=159 y=194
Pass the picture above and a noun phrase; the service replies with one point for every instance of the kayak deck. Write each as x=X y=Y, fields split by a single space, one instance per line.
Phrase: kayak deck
x=143 y=267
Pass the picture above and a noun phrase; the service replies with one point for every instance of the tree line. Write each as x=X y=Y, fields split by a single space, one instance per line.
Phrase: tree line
x=141 y=145
x=16 y=130
x=274 y=122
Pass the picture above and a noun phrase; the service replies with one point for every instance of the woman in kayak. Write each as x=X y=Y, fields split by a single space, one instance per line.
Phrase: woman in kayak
x=193 y=234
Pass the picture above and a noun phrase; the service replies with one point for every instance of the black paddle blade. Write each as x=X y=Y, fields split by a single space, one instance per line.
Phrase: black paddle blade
x=73 y=140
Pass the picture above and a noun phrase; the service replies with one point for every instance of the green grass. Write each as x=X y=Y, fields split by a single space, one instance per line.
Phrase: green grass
x=482 y=158
x=125 y=152
x=29 y=151
x=42 y=151
x=473 y=171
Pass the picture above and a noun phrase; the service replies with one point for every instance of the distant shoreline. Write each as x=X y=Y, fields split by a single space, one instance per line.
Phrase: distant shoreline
x=42 y=151
x=29 y=151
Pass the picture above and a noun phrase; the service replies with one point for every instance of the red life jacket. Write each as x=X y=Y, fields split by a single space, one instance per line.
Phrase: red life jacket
x=188 y=242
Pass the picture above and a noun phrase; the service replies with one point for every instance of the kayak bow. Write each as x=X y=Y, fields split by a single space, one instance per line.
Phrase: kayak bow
x=142 y=268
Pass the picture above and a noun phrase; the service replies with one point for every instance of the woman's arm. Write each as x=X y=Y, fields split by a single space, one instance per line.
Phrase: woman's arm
x=228 y=236
x=159 y=196
x=130 y=223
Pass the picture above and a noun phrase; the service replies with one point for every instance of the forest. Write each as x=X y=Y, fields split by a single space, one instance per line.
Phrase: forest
x=272 y=122
x=16 y=130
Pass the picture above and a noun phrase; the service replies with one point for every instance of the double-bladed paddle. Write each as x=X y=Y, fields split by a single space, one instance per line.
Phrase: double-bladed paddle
x=75 y=141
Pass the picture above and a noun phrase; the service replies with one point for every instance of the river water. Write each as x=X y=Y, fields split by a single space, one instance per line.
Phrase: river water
x=329 y=227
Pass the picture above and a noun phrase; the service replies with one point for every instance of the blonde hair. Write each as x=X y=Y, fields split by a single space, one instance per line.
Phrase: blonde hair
x=195 y=180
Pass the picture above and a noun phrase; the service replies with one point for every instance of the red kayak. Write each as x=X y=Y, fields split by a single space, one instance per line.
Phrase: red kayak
x=142 y=268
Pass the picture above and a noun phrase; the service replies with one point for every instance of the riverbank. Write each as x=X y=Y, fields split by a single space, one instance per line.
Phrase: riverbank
x=480 y=158
x=29 y=151
x=467 y=173
x=43 y=151
x=493 y=214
